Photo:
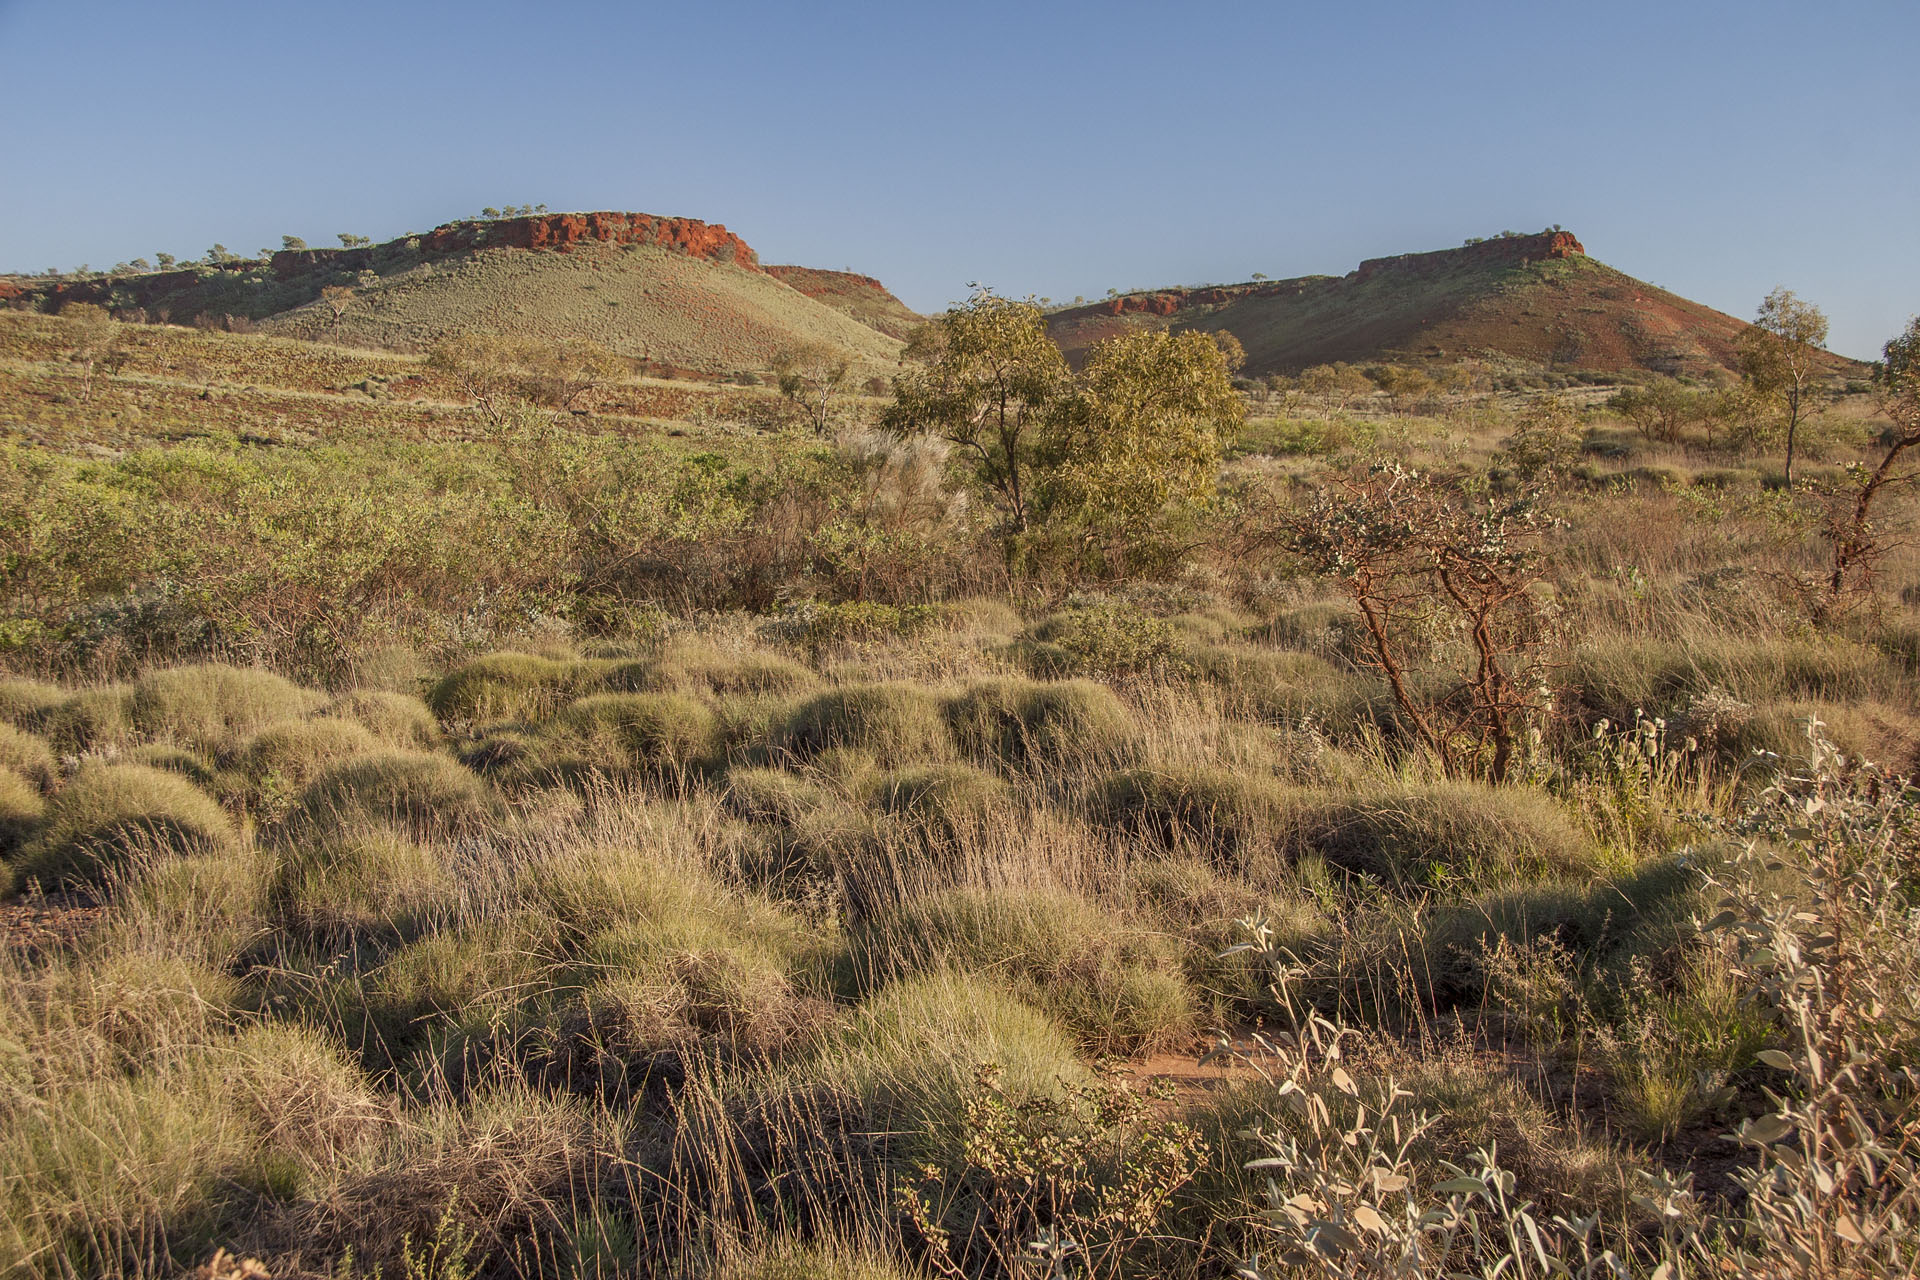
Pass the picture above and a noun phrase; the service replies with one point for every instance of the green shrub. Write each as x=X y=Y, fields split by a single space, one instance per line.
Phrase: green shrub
x=398 y=719
x=895 y=722
x=1117 y=987
x=25 y=704
x=210 y=706
x=21 y=806
x=1022 y=724
x=109 y=814
x=424 y=794
x=1107 y=639
x=28 y=756
x=511 y=686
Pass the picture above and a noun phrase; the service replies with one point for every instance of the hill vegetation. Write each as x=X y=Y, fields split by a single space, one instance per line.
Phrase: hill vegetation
x=495 y=812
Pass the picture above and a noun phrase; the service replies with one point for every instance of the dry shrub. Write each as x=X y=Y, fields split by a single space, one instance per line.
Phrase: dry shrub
x=428 y=795
x=1116 y=986
x=210 y=707
x=29 y=757
x=895 y=722
x=110 y=815
x=1026 y=724
x=398 y=719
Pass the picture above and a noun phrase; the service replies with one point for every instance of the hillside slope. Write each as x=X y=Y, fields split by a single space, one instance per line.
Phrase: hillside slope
x=677 y=292
x=1530 y=300
x=862 y=297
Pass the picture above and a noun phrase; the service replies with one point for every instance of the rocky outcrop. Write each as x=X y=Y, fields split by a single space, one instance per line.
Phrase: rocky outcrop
x=562 y=231
x=1499 y=251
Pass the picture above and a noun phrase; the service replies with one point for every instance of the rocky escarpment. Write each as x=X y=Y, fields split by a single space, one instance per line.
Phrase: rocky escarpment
x=231 y=287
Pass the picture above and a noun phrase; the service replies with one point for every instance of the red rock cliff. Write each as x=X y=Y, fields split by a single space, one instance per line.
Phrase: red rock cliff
x=564 y=230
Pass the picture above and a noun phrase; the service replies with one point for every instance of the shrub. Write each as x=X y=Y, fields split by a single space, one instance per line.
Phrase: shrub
x=28 y=756
x=109 y=814
x=398 y=719
x=424 y=794
x=1107 y=639
x=210 y=706
x=20 y=808
x=896 y=722
x=1021 y=724
x=510 y=686
x=1116 y=987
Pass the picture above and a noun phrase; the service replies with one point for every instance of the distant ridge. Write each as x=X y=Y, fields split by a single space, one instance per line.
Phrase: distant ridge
x=681 y=293
x=1530 y=300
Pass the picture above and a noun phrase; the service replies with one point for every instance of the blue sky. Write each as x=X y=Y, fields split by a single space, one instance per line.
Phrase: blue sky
x=1715 y=148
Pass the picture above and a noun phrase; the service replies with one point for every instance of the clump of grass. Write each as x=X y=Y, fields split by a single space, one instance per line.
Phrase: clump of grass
x=1620 y=678
x=210 y=706
x=945 y=796
x=697 y=666
x=1022 y=724
x=373 y=882
x=109 y=815
x=623 y=731
x=771 y=795
x=909 y=1055
x=25 y=704
x=191 y=765
x=428 y=795
x=398 y=719
x=21 y=806
x=1195 y=901
x=1273 y=684
x=791 y=1259
x=1116 y=987
x=29 y=756
x=1214 y=811
x=897 y=722
x=511 y=686
x=281 y=760
x=89 y=720
x=1442 y=834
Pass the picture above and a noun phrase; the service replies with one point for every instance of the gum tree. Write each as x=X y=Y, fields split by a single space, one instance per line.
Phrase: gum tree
x=1780 y=354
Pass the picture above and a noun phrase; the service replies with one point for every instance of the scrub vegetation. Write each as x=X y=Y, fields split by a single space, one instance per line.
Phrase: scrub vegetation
x=1464 y=833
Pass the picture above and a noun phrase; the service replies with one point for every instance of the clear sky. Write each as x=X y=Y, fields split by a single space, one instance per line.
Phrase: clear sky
x=1715 y=147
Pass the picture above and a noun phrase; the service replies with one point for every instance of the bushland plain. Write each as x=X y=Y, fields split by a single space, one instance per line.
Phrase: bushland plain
x=495 y=810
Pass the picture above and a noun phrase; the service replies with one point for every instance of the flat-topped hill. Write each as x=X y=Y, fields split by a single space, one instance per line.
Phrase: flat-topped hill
x=1535 y=300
